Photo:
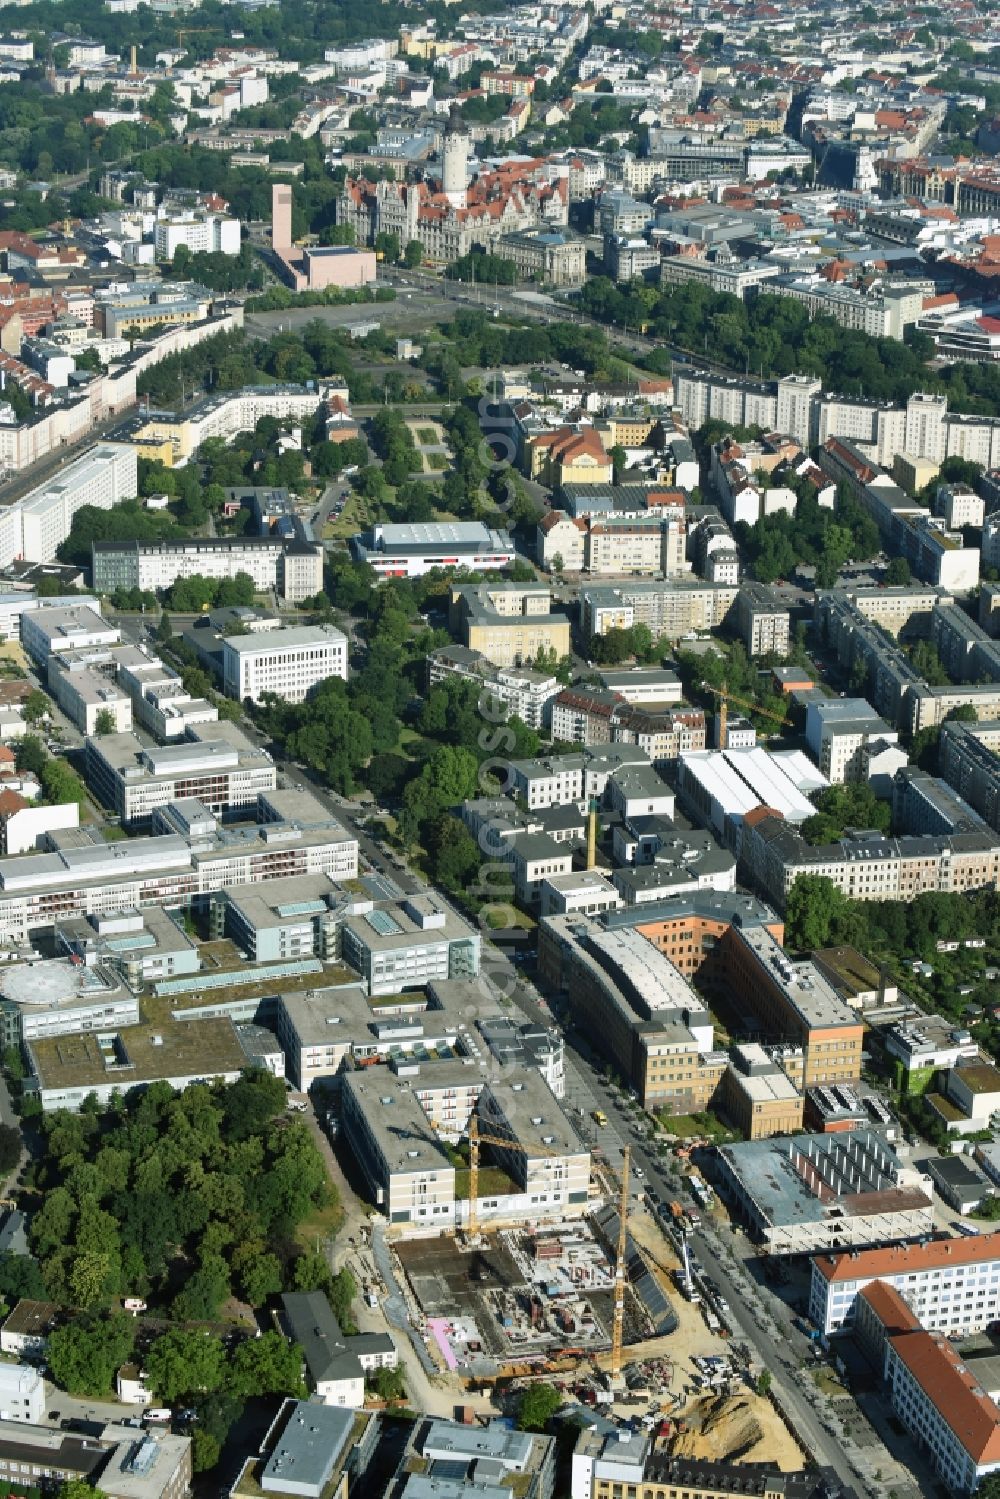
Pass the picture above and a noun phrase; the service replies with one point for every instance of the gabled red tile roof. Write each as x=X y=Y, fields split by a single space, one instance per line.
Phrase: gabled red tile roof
x=890 y=1308
x=907 y=1259
x=974 y=1419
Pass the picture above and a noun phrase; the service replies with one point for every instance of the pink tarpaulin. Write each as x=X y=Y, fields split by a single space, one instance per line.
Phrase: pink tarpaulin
x=437 y=1326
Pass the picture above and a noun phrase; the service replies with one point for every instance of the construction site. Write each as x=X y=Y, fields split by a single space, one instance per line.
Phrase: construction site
x=519 y=1300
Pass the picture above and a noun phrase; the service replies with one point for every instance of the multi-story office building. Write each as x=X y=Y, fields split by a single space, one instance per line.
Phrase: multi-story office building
x=686 y=928
x=216 y=763
x=794 y=1003
x=285 y=919
x=759 y=1096
x=546 y=254
x=289 y=662
x=938 y=1394
x=417 y=941
x=83 y=875
x=85 y=695
x=291 y=568
x=119 y=312
x=160 y=702
x=35 y=525
x=951 y=1285
x=546 y=1158
x=649 y=544
x=653 y=1026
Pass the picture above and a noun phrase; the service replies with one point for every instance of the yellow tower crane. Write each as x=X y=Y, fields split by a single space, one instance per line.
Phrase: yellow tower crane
x=190 y=31
x=726 y=697
x=475 y=1140
x=618 y=1324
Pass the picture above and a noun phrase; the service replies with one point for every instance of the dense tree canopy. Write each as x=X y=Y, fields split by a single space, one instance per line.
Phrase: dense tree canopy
x=169 y=1195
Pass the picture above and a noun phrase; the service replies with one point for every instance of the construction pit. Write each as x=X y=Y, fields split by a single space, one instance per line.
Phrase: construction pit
x=519 y=1301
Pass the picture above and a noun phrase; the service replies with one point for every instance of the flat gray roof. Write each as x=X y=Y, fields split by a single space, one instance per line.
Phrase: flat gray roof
x=309 y=1448
x=776 y=1175
x=397 y=1121
x=286 y=638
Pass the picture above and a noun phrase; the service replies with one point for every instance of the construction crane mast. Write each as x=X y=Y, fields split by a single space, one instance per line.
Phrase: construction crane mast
x=190 y=31
x=725 y=697
x=618 y=1325
x=476 y=1139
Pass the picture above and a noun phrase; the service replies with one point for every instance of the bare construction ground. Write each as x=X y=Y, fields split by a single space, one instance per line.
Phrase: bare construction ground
x=740 y=1428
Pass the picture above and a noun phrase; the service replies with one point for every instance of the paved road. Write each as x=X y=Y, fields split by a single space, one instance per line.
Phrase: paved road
x=39 y=472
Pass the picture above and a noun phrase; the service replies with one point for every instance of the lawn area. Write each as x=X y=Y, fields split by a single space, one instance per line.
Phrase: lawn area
x=828 y=1382
x=427 y=435
x=685 y=1126
x=355 y=516
x=13 y=661
x=492 y=1183
x=408 y=741
x=322 y=1223
x=435 y=461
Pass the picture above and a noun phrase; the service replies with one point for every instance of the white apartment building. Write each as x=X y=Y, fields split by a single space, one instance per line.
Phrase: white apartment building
x=521 y=690
x=839 y=731
x=209 y=233
x=952 y=1285
x=231 y=412
x=34 y=526
x=85 y=693
x=571 y=780
x=959 y=506
x=288 y=662
x=292 y=568
x=61 y=631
